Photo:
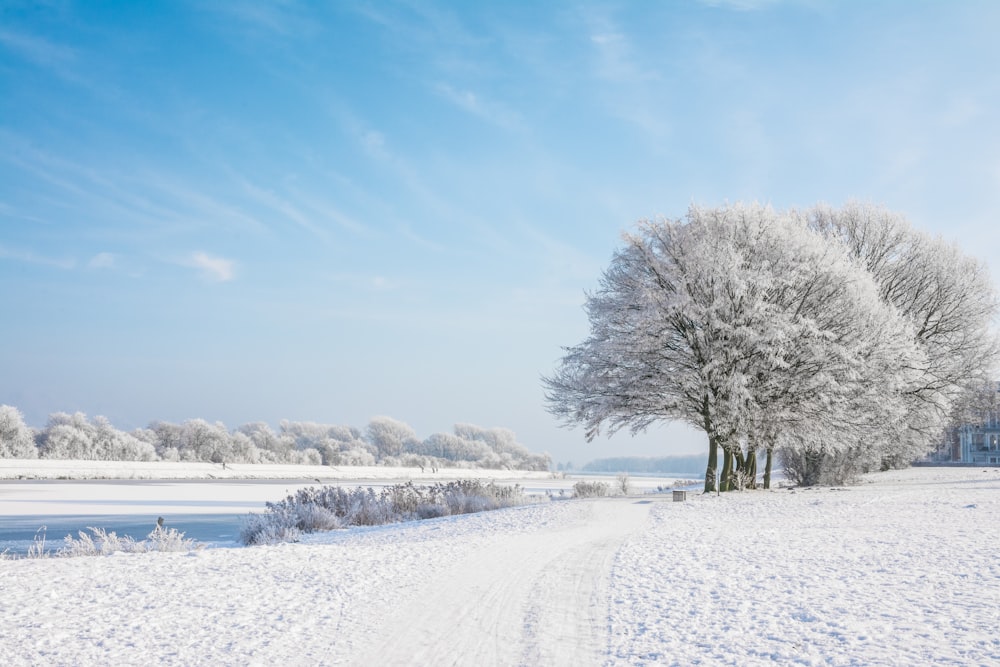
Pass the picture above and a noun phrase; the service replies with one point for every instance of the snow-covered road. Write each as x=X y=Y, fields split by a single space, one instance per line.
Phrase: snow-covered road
x=527 y=600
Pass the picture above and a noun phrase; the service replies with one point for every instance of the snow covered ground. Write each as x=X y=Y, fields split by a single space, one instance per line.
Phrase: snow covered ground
x=900 y=570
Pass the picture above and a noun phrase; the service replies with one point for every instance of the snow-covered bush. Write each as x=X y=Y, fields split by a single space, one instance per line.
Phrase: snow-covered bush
x=584 y=489
x=101 y=542
x=325 y=508
x=268 y=528
x=623 y=484
x=811 y=468
x=168 y=539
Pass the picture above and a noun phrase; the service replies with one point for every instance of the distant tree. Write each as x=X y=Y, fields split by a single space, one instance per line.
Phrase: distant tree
x=336 y=444
x=389 y=436
x=202 y=441
x=17 y=441
x=272 y=447
x=453 y=448
x=977 y=405
x=110 y=444
x=243 y=449
x=500 y=440
x=307 y=443
x=67 y=436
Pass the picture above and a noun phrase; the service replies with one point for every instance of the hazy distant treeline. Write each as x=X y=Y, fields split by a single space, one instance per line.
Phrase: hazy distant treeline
x=635 y=464
x=385 y=441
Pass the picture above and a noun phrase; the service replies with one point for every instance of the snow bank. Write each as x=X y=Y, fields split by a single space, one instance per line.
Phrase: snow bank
x=899 y=570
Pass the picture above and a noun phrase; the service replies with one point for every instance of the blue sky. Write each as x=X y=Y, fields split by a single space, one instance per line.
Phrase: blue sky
x=330 y=211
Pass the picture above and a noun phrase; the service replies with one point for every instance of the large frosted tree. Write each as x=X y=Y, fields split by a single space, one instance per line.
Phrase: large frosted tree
x=744 y=323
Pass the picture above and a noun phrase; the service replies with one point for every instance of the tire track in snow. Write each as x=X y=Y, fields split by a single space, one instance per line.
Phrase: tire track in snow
x=531 y=599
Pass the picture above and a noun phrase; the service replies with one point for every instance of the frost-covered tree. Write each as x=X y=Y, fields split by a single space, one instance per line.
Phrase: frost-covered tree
x=67 y=436
x=17 y=441
x=500 y=440
x=978 y=405
x=242 y=449
x=741 y=322
x=388 y=441
x=453 y=448
x=337 y=445
x=272 y=447
x=110 y=444
x=389 y=436
x=202 y=441
x=169 y=440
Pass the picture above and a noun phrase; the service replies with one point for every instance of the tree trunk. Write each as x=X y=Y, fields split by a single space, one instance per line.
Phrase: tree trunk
x=725 y=481
x=713 y=464
x=713 y=447
x=750 y=469
x=767 y=469
x=738 y=478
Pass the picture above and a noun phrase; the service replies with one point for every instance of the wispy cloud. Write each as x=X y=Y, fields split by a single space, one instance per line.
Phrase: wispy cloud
x=214 y=269
x=364 y=282
x=406 y=231
x=741 y=5
x=324 y=211
x=287 y=209
x=475 y=104
x=102 y=260
x=283 y=19
x=630 y=82
x=36 y=50
x=136 y=192
x=615 y=61
x=29 y=257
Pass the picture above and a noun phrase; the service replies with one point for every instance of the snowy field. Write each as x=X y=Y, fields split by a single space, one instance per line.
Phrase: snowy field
x=900 y=570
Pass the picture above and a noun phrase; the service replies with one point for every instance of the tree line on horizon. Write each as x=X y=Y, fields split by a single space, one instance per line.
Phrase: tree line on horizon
x=385 y=441
x=679 y=464
x=842 y=340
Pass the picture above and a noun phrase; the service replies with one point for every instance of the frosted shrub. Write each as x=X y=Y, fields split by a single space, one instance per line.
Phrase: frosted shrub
x=584 y=489
x=810 y=468
x=167 y=539
x=623 y=484
x=330 y=507
x=101 y=542
x=268 y=529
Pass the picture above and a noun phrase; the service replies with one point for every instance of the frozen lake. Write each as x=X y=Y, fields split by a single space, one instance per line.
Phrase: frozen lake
x=210 y=512
x=17 y=534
